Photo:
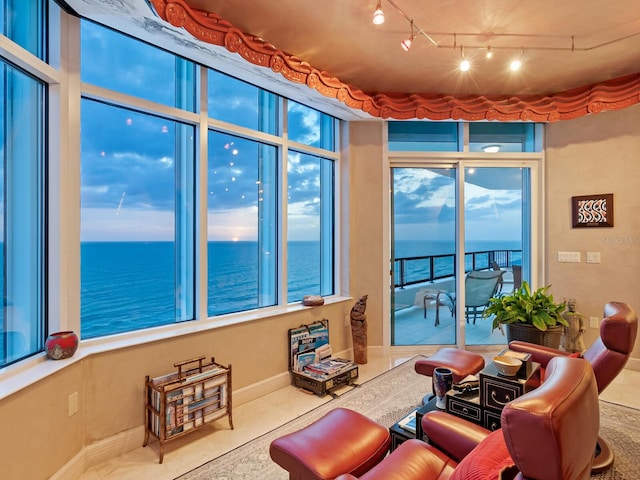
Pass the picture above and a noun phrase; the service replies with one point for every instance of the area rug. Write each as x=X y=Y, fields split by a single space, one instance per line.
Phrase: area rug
x=387 y=398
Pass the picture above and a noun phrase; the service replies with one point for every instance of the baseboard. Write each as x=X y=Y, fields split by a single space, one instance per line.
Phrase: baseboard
x=99 y=452
x=261 y=388
x=116 y=445
x=633 y=364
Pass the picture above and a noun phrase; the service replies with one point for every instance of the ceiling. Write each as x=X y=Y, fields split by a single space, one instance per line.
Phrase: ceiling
x=563 y=44
x=338 y=36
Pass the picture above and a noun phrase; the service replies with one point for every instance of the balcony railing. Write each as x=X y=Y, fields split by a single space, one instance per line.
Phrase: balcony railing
x=412 y=270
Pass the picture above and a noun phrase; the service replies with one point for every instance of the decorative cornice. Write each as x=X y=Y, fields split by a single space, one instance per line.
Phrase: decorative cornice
x=210 y=28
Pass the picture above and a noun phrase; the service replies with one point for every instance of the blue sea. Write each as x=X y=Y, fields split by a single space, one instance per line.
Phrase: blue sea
x=134 y=282
x=125 y=282
x=420 y=269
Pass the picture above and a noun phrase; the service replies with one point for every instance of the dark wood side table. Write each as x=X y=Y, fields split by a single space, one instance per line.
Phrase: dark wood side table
x=496 y=391
x=485 y=407
x=482 y=408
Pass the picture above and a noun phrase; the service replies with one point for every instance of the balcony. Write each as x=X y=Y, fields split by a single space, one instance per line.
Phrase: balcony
x=415 y=277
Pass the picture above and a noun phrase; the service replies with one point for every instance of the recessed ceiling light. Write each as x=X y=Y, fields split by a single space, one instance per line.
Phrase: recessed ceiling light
x=492 y=148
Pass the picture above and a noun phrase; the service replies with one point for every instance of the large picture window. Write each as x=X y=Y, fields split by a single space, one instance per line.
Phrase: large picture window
x=23 y=22
x=142 y=217
x=243 y=104
x=139 y=261
x=242 y=224
x=310 y=244
x=22 y=194
x=137 y=231
x=118 y=62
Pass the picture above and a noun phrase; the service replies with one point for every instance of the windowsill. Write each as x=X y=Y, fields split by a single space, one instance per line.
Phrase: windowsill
x=30 y=371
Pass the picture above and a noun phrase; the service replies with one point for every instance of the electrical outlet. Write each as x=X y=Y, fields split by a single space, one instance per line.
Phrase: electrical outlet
x=347 y=320
x=594 y=322
x=73 y=403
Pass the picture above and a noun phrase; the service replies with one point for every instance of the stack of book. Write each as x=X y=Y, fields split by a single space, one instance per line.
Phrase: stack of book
x=330 y=366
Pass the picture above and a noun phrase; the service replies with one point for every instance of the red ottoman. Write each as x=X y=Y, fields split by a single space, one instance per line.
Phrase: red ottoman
x=342 y=441
x=460 y=362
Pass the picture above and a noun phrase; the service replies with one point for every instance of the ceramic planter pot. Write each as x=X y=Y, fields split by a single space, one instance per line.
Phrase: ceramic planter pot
x=61 y=345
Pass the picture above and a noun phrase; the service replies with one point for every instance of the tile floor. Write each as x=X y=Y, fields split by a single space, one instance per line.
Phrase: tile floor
x=260 y=416
x=412 y=328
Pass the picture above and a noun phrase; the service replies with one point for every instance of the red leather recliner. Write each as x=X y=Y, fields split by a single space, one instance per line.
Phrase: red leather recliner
x=608 y=356
x=548 y=433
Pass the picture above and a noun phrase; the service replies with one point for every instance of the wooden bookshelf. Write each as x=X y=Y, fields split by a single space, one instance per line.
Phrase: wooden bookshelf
x=183 y=401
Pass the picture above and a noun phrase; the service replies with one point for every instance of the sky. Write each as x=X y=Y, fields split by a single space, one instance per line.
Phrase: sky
x=424 y=205
x=130 y=162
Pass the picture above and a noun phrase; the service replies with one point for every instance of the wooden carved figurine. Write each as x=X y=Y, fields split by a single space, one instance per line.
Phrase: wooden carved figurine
x=572 y=339
x=359 y=330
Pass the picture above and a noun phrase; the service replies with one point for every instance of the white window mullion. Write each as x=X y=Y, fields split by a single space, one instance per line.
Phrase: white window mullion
x=64 y=183
x=283 y=208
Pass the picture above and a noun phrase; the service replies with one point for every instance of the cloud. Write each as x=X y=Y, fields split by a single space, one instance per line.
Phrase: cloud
x=304 y=124
x=126 y=224
x=129 y=159
x=424 y=206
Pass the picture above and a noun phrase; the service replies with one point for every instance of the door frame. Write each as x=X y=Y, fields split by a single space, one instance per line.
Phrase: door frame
x=535 y=271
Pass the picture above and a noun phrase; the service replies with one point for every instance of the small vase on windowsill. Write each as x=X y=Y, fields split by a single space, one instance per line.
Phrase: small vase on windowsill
x=61 y=345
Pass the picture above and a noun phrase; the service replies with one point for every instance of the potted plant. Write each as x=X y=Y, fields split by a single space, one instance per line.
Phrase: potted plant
x=530 y=316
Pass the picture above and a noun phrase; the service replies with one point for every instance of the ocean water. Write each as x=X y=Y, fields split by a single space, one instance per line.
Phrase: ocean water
x=419 y=269
x=125 y=283
x=130 y=285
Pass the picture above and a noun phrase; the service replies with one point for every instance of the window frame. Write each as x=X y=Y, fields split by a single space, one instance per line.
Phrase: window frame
x=64 y=90
x=203 y=123
x=463 y=159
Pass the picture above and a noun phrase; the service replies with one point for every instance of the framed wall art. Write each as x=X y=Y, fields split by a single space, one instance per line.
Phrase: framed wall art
x=592 y=210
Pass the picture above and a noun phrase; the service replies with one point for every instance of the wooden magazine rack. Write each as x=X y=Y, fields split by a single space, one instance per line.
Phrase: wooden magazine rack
x=183 y=401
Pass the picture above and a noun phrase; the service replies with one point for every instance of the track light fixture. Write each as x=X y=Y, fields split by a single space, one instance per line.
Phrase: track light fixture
x=465 y=64
x=489 y=53
x=378 y=15
x=516 y=63
x=406 y=43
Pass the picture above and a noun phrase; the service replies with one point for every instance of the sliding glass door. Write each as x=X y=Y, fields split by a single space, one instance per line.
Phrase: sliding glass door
x=478 y=211
x=423 y=255
x=496 y=208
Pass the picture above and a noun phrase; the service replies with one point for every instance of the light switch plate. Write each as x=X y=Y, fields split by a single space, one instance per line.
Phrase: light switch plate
x=569 y=257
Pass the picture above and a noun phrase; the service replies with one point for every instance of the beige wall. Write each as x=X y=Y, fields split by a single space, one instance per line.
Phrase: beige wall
x=366 y=253
x=596 y=154
x=593 y=155
x=39 y=436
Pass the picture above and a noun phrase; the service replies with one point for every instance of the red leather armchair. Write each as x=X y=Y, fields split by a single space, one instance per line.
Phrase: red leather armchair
x=548 y=433
x=608 y=356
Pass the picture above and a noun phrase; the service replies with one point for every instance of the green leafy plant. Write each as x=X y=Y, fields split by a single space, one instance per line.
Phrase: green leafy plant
x=535 y=308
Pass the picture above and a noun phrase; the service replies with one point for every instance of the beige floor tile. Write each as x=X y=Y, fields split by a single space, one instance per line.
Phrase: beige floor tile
x=273 y=410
